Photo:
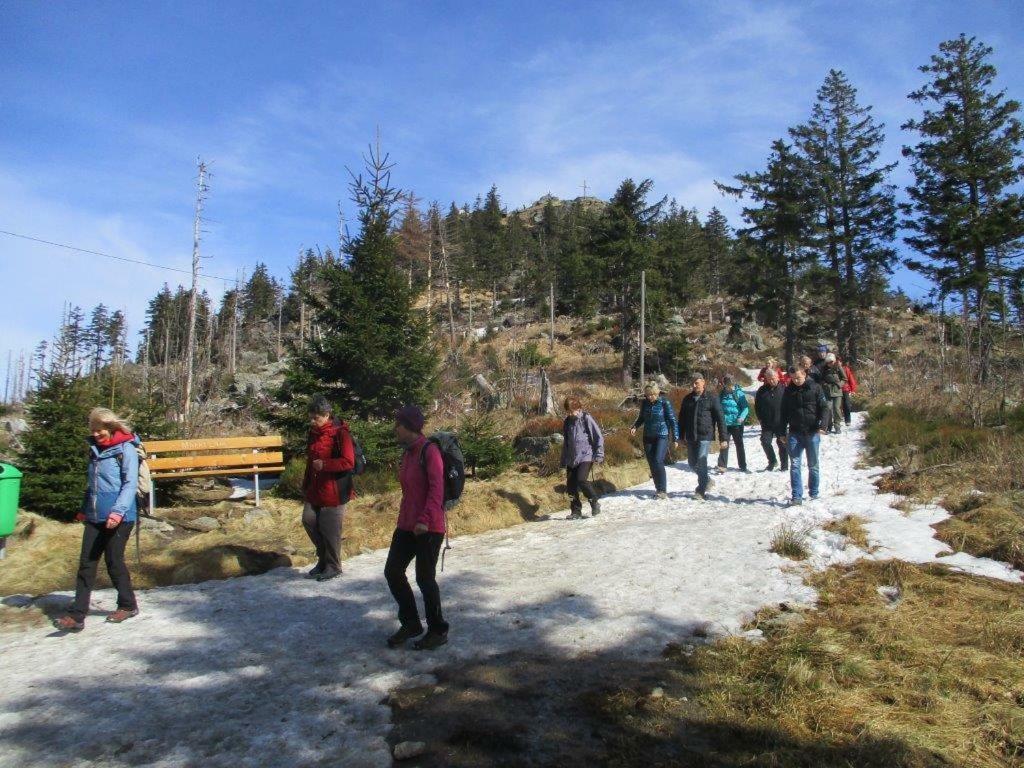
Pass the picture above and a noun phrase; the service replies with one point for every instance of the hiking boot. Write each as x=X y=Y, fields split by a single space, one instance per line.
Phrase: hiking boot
x=795 y=503
x=744 y=470
x=122 y=614
x=770 y=467
x=700 y=494
x=328 y=575
x=719 y=470
x=660 y=495
x=595 y=508
x=315 y=571
x=404 y=633
x=575 y=515
x=430 y=641
x=69 y=624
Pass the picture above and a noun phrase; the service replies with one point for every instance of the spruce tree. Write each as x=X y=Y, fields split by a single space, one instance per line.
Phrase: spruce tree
x=963 y=209
x=54 y=459
x=782 y=231
x=372 y=352
x=857 y=211
x=625 y=246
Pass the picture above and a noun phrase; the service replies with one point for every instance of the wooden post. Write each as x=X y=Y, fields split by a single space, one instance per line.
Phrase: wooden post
x=551 y=307
x=643 y=318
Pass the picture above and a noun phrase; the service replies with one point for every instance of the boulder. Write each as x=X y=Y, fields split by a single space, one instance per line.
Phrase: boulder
x=255 y=514
x=534 y=447
x=407 y=750
x=153 y=524
x=202 y=524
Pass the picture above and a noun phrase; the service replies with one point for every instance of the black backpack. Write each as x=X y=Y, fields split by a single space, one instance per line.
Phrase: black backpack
x=344 y=479
x=454 y=475
x=454 y=465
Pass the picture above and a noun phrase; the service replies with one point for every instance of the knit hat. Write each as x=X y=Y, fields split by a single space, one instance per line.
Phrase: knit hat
x=822 y=348
x=410 y=417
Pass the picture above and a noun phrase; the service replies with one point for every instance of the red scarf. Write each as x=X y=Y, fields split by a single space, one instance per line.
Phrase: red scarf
x=116 y=439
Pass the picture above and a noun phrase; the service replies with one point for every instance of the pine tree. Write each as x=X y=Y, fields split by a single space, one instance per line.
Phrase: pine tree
x=841 y=144
x=374 y=352
x=54 y=460
x=963 y=208
x=97 y=338
x=624 y=244
x=782 y=230
x=259 y=297
x=412 y=244
x=719 y=251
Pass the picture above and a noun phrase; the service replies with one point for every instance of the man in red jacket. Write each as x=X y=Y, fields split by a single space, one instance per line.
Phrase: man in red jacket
x=849 y=388
x=326 y=486
x=419 y=534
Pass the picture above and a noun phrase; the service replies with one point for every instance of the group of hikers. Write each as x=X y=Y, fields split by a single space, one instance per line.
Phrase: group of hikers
x=793 y=407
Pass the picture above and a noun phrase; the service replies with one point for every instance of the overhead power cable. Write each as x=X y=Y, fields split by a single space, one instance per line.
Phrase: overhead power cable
x=112 y=256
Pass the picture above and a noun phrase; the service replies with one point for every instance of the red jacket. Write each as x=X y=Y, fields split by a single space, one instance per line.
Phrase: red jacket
x=850 y=385
x=320 y=488
x=783 y=376
x=422 y=491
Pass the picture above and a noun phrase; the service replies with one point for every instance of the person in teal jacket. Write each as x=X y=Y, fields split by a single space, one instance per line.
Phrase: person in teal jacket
x=660 y=428
x=736 y=410
x=108 y=512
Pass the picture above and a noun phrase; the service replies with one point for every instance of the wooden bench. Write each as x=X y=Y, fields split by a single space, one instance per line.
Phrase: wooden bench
x=211 y=456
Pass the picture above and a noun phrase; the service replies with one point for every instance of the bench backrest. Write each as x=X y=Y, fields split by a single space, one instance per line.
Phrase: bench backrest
x=209 y=456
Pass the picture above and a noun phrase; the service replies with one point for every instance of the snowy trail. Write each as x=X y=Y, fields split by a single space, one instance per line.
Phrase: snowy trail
x=278 y=670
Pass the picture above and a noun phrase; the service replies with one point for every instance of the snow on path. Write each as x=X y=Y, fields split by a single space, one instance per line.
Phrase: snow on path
x=277 y=670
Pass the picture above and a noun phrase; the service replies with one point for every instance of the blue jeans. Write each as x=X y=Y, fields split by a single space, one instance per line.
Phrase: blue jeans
x=798 y=444
x=697 y=458
x=655 y=452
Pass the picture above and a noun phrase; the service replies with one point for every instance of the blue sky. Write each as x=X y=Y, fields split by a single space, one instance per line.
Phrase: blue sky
x=105 y=106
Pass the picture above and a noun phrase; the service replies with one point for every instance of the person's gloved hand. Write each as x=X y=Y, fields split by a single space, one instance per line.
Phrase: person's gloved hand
x=80 y=517
x=114 y=519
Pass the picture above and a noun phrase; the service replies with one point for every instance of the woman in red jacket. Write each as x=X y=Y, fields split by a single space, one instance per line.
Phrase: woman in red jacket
x=326 y=486
x=849 y=388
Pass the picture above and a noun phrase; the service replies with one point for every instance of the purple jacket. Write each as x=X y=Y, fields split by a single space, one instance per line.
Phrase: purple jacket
x=583 y=441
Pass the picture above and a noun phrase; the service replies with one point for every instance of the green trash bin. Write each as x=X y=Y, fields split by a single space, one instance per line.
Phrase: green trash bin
x=10 y=490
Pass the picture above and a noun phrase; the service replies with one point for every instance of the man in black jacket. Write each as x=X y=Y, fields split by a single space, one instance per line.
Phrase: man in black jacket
x=700 y=413
x=768 y=407
x=804 y=418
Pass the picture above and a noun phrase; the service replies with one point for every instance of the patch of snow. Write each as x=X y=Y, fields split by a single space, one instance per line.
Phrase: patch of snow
x=244 y=487
x=278 y=670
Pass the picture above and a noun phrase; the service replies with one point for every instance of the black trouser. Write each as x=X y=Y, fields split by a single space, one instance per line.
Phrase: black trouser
x=847 y=410
x=323 y=526
x=425 y=548
x=97 y=541
x=578 y=479
x=768 y=441
x=736 y=433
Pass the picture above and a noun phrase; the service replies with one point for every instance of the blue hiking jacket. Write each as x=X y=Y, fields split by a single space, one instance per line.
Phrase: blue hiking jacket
x=658 y=419
x=735 y=406
x=113 y=482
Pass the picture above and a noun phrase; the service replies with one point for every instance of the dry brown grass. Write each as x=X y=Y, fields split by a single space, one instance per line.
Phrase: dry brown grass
x=990 y=525
x=852 y=527
x=935 y=679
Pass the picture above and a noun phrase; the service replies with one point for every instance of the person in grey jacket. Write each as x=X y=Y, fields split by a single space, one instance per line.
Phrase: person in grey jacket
x=582 y=447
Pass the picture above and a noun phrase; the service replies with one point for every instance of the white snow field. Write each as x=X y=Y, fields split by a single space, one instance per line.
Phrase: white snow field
x=277 y=670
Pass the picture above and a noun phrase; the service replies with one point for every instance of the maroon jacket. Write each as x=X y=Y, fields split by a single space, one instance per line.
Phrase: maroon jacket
x=422 y=491
x=320 y=488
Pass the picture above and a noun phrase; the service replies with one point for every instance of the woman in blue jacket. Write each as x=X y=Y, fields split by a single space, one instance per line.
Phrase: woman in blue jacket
x=660 y=429
x=736 y=409
x=109 y=513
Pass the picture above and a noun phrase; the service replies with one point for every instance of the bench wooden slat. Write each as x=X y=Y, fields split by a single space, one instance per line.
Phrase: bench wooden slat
x=212 y=444
x=211 y=472
x=211 y=460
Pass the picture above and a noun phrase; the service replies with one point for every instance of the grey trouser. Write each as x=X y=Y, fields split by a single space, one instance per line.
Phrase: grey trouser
x=323 y=526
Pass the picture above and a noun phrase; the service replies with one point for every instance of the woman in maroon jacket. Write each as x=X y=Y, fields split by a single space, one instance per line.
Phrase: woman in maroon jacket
x=326 y=486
